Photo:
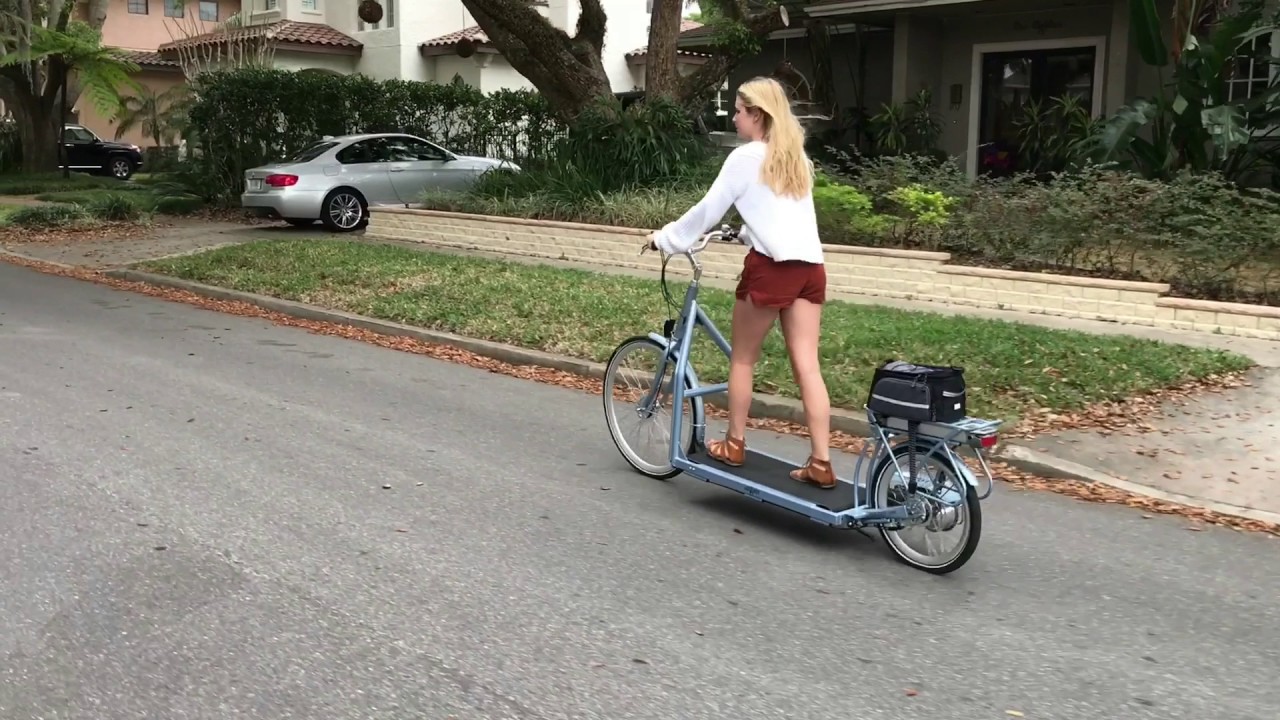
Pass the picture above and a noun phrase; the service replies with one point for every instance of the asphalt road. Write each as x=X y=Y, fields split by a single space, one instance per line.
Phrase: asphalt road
x=193 y=525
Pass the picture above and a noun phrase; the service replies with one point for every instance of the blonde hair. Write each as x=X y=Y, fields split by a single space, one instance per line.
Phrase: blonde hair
x=787 y=170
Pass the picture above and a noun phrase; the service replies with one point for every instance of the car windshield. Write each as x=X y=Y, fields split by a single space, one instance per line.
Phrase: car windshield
x=312 y=152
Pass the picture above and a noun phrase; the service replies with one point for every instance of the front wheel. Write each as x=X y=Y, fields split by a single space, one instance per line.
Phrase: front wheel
x=629 y=378
x=952 y=525
x=120 y=168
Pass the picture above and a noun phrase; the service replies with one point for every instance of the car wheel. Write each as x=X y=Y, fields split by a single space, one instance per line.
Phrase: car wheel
x=344 y=210
x=120 y=168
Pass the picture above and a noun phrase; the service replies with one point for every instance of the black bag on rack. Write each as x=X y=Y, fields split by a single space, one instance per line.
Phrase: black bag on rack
x=918 y=393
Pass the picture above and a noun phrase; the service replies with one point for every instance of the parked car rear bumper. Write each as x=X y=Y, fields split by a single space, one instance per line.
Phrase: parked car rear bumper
x=291 y=204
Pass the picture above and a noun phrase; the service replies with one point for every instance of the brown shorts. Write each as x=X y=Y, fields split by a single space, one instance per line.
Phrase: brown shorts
x=769 y=283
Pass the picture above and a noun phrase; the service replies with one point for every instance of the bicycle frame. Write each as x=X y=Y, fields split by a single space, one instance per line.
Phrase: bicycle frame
x=677 y=346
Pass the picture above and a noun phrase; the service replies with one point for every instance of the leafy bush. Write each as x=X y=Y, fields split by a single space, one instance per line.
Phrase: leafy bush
x=48 y=216
x=114 y=207
x=249 y=116
x=179 y=205
x=611 y=149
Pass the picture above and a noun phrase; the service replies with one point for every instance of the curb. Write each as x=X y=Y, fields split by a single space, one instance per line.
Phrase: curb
x=1043 y=464
x=764 y=406
x=33 y=259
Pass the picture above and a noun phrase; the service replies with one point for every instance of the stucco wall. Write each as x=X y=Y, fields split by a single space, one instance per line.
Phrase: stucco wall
x=124 y=29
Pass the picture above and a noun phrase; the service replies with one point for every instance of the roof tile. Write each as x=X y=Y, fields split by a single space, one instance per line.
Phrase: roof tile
x=291 y=31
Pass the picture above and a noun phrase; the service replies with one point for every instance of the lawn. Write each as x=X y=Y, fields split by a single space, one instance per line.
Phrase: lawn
x=19 y=184
x=1010 y=367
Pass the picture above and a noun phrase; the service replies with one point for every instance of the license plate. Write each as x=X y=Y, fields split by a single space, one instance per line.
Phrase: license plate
x=255 y=184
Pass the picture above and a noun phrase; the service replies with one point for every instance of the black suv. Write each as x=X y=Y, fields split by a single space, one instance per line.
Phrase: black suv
x=86 y=152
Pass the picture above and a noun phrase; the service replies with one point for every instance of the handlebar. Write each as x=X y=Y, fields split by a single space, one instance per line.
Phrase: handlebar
x=724 y=234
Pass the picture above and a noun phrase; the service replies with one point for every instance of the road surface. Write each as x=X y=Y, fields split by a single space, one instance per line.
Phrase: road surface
x=193 y=525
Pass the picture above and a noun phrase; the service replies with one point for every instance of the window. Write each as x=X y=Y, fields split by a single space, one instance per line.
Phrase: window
x=363 y=152
x=408 y=149
x=138 y=7
x=77 y=135
x=312 y=152
x=388 y=18
x=174 y=8
x=209 y=10
x=311 y=5
x=1252 y=71
x=270 y=4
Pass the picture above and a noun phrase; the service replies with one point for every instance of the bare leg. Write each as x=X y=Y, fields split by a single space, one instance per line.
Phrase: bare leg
x=800 y=327
x=750 y=326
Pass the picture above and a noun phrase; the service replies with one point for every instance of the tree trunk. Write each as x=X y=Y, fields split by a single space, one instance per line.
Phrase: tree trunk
x=661 y=74
x=567 y=70
x=39 y=141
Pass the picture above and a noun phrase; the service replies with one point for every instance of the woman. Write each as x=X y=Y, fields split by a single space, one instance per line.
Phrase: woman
x=770 y=182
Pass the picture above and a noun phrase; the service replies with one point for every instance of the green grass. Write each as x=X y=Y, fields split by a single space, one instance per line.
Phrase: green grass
x=144 y=200
x=1010 y=367
x=54 y=182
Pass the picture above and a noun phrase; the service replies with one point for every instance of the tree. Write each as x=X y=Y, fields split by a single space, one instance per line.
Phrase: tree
x=568 y=71
x=46 y=54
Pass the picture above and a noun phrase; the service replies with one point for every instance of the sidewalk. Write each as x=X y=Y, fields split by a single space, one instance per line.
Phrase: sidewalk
x=1214 y=448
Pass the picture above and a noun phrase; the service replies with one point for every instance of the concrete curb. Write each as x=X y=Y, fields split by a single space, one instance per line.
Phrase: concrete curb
x=763 y=406
x=1040 y=463
x=32 y=259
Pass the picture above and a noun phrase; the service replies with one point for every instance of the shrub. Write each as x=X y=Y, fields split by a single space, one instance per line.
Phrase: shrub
x=846 y=216
x=114 y=207
x=48 y=216
x=179 y=205
x=610 y=149
x=249 y=116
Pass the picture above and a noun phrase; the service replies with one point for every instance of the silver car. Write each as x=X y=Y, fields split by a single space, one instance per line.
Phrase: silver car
x=338 y=179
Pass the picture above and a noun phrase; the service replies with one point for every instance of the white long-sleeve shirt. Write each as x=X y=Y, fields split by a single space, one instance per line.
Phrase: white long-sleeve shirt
x=784 y=228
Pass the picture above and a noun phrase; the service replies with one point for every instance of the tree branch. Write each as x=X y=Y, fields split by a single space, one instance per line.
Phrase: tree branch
x=718 y=67
x=591 y=25
x=566 y=70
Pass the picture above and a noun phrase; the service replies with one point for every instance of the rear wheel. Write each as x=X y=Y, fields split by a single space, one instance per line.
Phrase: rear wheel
x=949 y=505
x=628 y=378
x=344 y=210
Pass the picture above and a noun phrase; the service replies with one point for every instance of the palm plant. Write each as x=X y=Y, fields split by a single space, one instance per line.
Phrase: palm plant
x=159 y=115
x=1196 y=123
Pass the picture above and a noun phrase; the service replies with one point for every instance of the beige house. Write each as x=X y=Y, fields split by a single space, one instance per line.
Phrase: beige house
x=980 y=59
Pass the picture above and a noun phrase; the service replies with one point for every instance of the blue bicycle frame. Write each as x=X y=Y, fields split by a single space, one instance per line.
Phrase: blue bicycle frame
x=678 y=348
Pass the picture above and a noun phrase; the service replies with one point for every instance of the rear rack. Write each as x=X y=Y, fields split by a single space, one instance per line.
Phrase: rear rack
x=977 y=434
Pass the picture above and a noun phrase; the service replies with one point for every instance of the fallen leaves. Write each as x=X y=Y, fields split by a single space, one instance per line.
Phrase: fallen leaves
x=1120 y=416
x=1116 y=416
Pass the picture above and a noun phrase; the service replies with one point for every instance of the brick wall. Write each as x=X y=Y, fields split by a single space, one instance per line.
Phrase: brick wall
x=867 y=272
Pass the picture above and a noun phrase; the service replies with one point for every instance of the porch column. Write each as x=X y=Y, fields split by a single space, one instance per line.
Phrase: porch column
x=1115 y=84
x=916 y=56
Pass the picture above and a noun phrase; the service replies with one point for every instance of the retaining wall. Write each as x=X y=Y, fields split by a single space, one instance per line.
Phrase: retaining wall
x=866 y=272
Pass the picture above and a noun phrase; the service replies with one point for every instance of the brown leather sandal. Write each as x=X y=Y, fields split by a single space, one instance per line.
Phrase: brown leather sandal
x=816 y=472
x=730 y=451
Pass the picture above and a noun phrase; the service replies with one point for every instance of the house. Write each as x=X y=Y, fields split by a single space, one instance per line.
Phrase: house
x=435 y=40
x=980 y=60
